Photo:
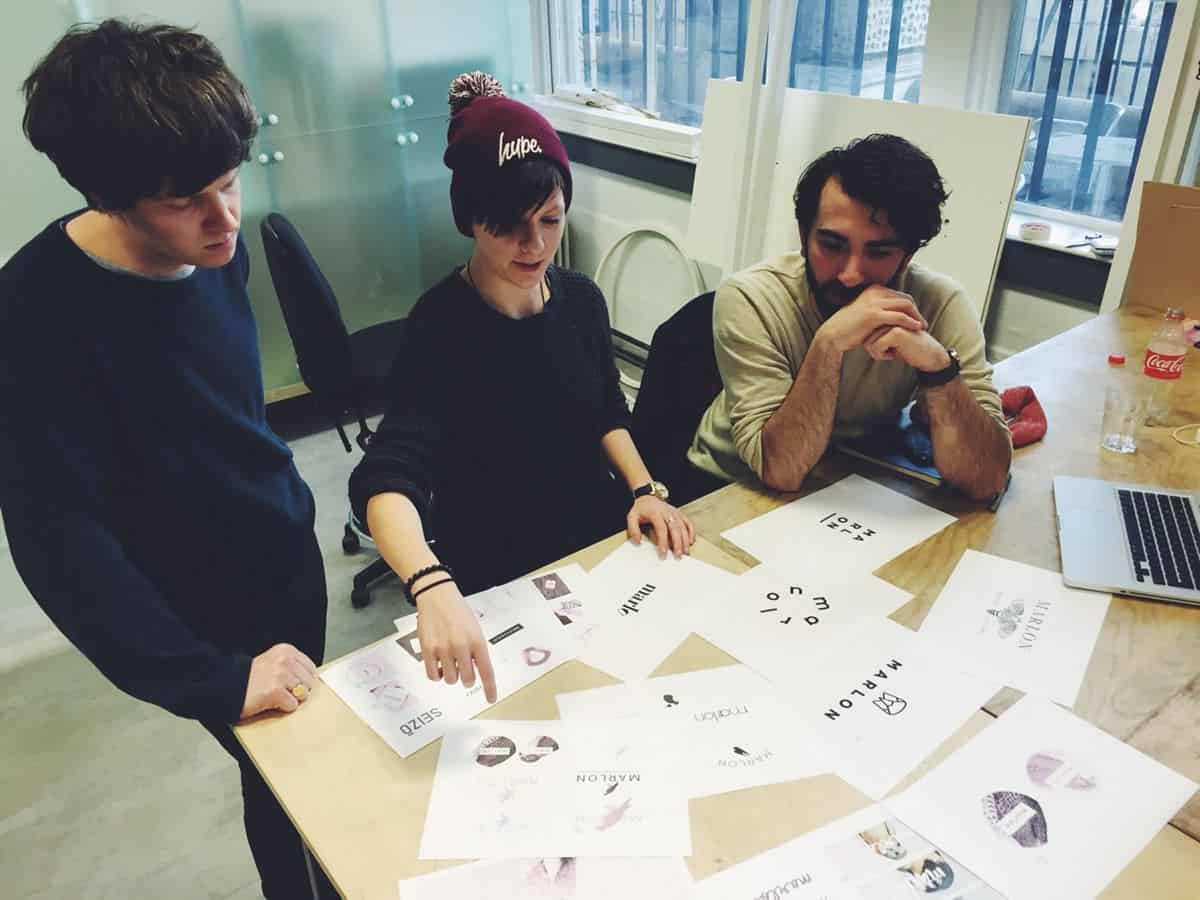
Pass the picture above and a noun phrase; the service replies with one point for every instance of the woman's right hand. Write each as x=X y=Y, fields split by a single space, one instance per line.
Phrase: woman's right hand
x=452 y=643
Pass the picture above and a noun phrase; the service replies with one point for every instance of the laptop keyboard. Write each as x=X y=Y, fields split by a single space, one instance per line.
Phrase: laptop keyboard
x=1164 y=541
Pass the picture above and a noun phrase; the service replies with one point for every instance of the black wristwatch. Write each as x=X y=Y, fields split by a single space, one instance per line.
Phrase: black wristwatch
x=942 y=376
x=657 y=488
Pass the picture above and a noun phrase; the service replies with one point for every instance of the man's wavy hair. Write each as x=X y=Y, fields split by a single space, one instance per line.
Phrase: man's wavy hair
x=886 y=173
x=127 y=112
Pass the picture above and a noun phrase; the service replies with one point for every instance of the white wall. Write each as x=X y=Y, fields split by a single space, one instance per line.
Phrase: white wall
x=33 y=194
x=31 y=187
x=646 y=278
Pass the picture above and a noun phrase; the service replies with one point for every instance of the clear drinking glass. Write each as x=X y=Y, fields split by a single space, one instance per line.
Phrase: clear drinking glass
x=1124 y=414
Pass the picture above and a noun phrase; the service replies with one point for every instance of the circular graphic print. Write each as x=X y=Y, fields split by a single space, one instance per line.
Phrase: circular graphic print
x=494 y=750
x=391 y=695
x=543 y=746
x=1052 y=771
x=1017 y=816
x=535 y=656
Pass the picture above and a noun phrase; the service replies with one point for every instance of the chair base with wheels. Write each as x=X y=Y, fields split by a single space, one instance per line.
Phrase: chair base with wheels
x=354 y=536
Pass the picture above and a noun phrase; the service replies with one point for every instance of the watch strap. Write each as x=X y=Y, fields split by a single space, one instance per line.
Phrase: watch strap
x=942 y=376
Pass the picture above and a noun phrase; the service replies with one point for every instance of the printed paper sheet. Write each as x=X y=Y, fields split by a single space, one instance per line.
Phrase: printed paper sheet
x=1018 y=624
x=386 y=685
x=853 y=524
x=645 y=607
x=733 y=730
x=580 y=788
x=1044 y=805
x=555 y=878
x=770 y=614
x=869 y=855
x=883 y=698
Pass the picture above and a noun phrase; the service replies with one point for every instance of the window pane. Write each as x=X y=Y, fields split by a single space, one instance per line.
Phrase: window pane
x=865 y=48
x=1085 y=72
x=871 y=48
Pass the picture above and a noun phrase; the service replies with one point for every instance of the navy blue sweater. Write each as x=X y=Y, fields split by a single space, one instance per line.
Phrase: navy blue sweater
x=149 y=508
x=493 y=429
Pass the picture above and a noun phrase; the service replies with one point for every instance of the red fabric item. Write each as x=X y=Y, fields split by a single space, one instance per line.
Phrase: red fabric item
x=1026 y=419
x=488 y=130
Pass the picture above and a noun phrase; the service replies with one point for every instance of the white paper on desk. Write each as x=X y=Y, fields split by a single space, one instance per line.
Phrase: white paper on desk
x=386 y=685
x=555 y=788
x=733 y=730
x=882 y=698
x=854 y=524
x=868 y=855
x=768 y=615
x=645 y=607
x=1044 y=805
x=1018 y=624
x=565 y=589
x=555 y=878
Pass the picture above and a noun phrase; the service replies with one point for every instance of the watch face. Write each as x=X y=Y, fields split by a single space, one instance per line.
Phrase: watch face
x=660 y=490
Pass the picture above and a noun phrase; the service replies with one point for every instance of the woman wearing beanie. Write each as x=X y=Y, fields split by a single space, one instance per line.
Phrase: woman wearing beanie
x=506 y=441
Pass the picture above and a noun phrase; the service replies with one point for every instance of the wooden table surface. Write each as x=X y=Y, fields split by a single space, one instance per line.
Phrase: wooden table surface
x=361 y=808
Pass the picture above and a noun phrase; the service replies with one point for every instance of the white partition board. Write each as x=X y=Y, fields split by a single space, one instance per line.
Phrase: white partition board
x=978 y=155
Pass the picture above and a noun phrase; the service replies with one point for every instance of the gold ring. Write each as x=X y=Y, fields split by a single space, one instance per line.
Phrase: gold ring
x=299 y=691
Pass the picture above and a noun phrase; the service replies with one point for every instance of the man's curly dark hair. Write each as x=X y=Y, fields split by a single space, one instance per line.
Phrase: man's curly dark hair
x=886 y=173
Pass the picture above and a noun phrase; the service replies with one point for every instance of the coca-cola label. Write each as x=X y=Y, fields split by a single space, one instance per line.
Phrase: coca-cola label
x=1160 y=365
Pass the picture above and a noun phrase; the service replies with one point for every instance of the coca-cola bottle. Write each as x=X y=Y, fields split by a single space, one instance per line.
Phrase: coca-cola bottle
x=1164 y=366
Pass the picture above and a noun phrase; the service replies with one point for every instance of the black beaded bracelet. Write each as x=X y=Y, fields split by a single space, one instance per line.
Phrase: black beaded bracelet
x=421 y=573
x=430 y=587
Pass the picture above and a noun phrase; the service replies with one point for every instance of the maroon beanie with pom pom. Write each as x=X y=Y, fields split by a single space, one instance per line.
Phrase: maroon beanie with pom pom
x=488 y=131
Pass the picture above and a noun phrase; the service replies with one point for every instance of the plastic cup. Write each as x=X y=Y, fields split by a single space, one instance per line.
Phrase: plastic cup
x=1124 y=414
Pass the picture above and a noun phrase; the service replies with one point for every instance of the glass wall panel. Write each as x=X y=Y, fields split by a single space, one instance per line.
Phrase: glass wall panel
x=430 y=43
x=317 y=65
x=352 y=96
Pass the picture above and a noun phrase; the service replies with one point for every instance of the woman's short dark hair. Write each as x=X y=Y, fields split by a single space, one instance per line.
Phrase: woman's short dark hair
x=500 y=201
x=129 y=111
x=886 y=173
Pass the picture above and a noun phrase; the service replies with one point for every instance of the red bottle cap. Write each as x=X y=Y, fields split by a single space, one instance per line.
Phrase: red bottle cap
x=1116 y=359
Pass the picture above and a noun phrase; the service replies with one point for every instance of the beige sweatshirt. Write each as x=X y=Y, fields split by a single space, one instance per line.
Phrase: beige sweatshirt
x=763 y=321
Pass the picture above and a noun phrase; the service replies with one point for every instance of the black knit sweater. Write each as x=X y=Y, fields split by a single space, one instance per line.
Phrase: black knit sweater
x=150 y=510
x=493 y=429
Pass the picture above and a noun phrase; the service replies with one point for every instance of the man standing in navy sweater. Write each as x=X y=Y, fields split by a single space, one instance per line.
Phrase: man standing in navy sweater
x=149 y=508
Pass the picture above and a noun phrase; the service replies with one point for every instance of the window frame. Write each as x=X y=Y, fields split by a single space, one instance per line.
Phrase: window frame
x=967 y=42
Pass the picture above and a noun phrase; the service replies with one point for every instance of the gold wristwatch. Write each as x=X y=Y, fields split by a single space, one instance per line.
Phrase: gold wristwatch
x=657 y=488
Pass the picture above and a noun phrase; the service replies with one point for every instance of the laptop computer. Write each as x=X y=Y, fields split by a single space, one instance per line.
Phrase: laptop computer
x=1129 y=538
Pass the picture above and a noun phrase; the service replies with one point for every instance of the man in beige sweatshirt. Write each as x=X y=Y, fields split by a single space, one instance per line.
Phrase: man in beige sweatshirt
x=836 y=339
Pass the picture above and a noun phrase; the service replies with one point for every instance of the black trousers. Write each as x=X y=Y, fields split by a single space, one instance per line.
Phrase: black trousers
x=275 y=844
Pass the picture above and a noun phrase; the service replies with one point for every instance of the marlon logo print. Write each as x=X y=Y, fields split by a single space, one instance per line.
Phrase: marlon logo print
x=890 y=703
x=773 y=597
x=517 y=148
x=1009 y=618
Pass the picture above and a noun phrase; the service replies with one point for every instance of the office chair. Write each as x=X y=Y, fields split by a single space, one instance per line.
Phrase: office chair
x=336 y=366
x=680 y=382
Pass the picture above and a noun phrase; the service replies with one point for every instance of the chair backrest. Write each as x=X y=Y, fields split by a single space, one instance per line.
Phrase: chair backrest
x=679 y=384
x=314 y=321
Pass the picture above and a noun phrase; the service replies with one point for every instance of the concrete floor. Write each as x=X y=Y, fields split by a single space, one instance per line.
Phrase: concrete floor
x=102 y=796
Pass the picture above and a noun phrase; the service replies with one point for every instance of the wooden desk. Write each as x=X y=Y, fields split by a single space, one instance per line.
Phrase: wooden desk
x=361 y=808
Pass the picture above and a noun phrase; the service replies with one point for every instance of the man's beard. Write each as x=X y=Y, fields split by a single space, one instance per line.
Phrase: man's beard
x=833 y=295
